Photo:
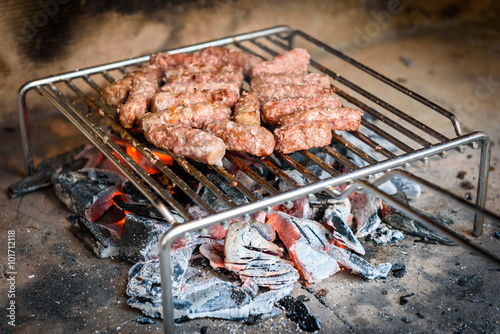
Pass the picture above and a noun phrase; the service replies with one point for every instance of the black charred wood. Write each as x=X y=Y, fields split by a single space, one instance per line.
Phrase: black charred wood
x=139 y=237
x=403 y=300
x=299 y=312
x=403 y=222
x=141 y=209
x=43 y=174
x=398 y=270
x=100 y=240
x=87 y=192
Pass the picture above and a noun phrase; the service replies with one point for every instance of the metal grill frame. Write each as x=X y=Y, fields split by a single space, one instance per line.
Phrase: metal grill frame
x=285 y=38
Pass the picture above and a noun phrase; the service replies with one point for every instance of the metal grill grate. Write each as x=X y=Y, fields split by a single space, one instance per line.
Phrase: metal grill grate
x=388 y=138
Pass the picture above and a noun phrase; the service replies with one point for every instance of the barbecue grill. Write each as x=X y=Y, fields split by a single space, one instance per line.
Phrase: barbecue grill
x=392 y=141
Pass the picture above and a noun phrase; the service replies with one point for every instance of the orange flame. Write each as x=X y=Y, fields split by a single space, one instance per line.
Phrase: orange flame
x=148 y=165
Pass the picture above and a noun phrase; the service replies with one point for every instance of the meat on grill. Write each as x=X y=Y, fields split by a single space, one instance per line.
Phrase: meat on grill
x=302 y=136
x=164 y=100
x=211 y=76
x=194 y=86
x=302 y=79
x=273 y=110
x=193 y=115
x=188 y=142
x=347 y=119
x=228 y=56
x=187 y=69
x=116 y=94
x=270 y=92
x=145 y=84
x=247 y=110
x=293 y=61
x=248 y=138
x=212 y=55
x=167 y=60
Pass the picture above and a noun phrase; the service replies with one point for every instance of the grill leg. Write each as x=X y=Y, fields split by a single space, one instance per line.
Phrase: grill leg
x=166 y=285
x=25 y=135
x=484 y=170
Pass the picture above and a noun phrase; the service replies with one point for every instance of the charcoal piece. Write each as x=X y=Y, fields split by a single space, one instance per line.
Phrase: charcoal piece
x=296 y=176
x=467 y=185
x=274 y=313
x=336 y=215
x=213 y=250
x=303 y=298
x=216 y=203
x=251 y=320
x=387 y=187
x=42 y=177
x=146 y=210
x=140 y=209
x=141 y=237
x=298 y=312
x=357 y=265
x=132 y=194
x=145 y=281
x=250 y=287
x=410 y=188
x=300 y=208
x=100 y=240
x=250 y=253
x=420 y=315
x=264 y=302
x=384 y=235
x=204 y=330
x=403 y=222
x=212 y=298
x=149 y=306
x=398 y=270
x=87 y=192
x=227 y=188
x=306 y=241
x=145 y=321
x=407 y=320
x=316 y=169
x=497 y=235
x=365 y=208
x=403 y=300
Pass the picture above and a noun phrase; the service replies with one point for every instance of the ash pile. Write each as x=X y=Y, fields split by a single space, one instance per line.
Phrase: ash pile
x=245 y=268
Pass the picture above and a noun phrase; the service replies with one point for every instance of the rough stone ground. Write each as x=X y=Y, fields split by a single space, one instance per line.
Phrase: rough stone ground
x=61 y=287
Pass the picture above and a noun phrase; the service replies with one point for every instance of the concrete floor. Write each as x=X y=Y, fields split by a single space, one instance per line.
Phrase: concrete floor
x=61 y=287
